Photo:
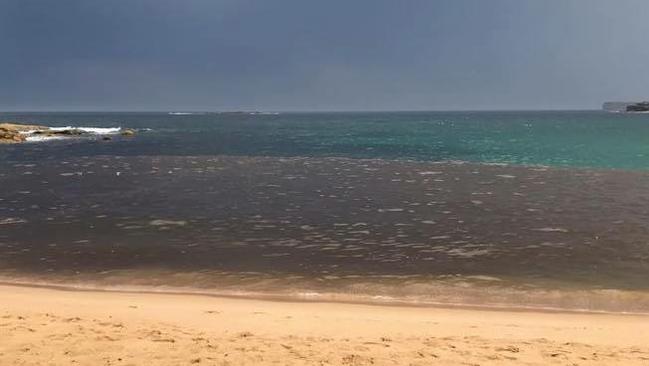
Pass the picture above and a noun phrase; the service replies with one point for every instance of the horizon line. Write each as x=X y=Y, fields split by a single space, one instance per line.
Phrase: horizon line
x=302 y=111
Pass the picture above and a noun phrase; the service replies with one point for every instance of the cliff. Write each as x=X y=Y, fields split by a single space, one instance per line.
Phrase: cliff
x=616 y=106
x=623 y=107
x=638 y=107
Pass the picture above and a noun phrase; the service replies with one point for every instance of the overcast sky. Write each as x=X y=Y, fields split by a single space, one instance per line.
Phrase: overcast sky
x=321 y=55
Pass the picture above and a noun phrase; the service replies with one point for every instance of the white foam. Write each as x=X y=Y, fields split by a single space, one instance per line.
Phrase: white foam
x=38 y=138
x=93 y=130
x=551 y=230
x=390 y=209
x=30 y=135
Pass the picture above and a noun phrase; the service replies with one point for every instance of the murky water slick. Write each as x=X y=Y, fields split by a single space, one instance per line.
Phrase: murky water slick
x=324 y=222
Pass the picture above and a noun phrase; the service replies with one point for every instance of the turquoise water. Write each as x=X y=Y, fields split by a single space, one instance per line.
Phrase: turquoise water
x=578 y=139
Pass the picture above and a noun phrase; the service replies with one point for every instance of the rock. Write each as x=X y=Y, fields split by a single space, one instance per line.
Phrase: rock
x=11 y=133
x=10 y=136
x=14 y=132
x=70 y=132
x=128 y=132
x=20 y=127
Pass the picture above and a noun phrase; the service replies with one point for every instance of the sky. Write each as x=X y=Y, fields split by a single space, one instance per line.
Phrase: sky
x=308 y=55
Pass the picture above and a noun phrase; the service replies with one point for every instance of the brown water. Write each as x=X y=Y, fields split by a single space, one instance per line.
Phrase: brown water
x=331 y=228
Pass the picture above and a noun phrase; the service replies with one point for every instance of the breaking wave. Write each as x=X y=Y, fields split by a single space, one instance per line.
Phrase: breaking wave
x=34 y=136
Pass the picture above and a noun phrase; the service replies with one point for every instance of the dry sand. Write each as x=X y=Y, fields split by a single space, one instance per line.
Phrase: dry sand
x=52 y=327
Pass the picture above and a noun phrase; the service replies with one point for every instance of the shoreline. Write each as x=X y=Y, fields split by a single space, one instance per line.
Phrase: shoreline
x=313 y=298
x=46 y=326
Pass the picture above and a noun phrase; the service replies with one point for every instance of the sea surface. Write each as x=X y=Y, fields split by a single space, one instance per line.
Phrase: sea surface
x=524 y=209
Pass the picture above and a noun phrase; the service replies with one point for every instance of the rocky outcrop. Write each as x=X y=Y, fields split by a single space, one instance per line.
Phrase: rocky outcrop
x=8 y=136
x=13 y=132
x=127 y=132
x=70 y=132
x=21 y=127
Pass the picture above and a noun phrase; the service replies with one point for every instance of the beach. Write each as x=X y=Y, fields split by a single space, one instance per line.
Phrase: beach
x=44 y=326
x=207 y=242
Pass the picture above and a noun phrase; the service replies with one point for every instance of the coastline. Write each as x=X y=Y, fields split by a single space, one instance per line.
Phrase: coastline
x=366 y=228
x=605 y=301
x=431 y=293
x=47 y=326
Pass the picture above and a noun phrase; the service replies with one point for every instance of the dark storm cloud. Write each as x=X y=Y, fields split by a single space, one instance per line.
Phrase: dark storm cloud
x=321 y=55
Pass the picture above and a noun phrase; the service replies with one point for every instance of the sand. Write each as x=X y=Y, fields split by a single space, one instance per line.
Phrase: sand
x=40 y=326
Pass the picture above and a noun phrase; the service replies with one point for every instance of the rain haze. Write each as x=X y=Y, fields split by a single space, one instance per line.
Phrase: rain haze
x=321 y=56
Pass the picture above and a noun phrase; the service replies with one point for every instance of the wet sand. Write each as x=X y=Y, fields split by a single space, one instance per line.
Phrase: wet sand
x=41 y=326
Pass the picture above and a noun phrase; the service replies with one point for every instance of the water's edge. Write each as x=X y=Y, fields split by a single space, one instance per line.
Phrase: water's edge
x=608 y=298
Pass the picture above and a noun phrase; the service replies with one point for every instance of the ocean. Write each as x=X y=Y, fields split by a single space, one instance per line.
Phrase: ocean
x=544 y=210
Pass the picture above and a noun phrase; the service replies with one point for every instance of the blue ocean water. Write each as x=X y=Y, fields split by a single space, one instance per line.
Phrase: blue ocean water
x=571 y=138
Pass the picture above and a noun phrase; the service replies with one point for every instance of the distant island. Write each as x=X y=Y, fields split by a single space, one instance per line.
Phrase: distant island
x=626 y=107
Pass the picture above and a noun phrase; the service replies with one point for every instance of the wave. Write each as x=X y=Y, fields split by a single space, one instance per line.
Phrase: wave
x=33 y=136
x=481 y=292
x=91 y=130
x=39 y=138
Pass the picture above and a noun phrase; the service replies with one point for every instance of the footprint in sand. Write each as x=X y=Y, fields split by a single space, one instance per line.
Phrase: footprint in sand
x=245 y=335
x=512 y=349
